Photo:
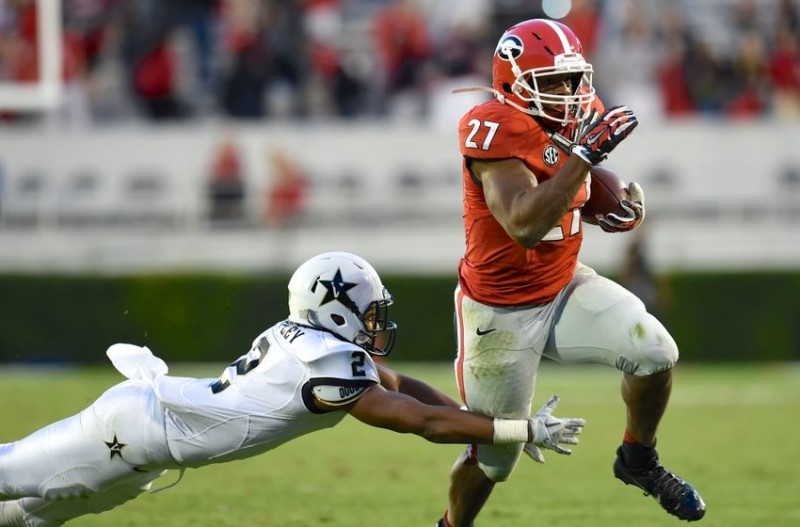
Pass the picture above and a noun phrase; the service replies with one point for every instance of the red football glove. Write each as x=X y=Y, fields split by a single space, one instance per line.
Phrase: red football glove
x=603 y=134
x=634 y=207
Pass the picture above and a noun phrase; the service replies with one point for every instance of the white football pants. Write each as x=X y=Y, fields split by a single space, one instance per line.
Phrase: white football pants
x=592 y=320
x=88 y=463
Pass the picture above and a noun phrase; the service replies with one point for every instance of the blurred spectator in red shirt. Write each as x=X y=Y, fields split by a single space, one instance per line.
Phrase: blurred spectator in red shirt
x=244 y=78
x=749 y=76
x=401 y=34
x=226 y=189
x=287 y=194
x=676 y=99
x=335 y=76
x=784 y=71
x=267 y=59
x=147 y=43
x=155 y=81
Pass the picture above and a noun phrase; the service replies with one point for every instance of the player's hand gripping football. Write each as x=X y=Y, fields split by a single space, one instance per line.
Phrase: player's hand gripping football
x=604 y=133
x=551 y=432
x=634 y=208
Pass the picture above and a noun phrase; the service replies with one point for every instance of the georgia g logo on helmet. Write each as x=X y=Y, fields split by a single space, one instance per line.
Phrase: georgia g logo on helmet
x=509 y=48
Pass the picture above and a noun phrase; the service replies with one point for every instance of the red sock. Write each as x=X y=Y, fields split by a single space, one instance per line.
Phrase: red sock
x=628 y=438
x=445 y=521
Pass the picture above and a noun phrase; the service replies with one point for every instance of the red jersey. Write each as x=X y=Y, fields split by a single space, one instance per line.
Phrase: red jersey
x=495 y=269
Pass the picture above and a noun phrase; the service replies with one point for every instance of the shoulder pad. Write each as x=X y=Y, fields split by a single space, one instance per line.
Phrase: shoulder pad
x=497 y=131
x=339 y=393
x=339 y=377
x=348 y=363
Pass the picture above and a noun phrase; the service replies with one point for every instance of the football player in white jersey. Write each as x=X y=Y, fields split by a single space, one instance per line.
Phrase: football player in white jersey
x=303 y=374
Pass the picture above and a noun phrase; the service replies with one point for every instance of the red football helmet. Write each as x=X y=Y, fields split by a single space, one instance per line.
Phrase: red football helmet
x=530 y=52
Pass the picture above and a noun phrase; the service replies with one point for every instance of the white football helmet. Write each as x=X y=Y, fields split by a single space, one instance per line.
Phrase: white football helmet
x=342 y=293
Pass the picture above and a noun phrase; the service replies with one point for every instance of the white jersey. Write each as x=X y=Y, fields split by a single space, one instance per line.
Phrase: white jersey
x=266 y=397
x=113 y=450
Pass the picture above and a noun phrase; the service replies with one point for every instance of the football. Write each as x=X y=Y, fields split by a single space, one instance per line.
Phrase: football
x=607 y=189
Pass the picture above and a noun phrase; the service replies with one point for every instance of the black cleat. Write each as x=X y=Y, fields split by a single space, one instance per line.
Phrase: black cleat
x=675 y=495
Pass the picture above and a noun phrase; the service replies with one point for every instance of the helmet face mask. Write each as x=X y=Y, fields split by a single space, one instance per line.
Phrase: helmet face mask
x=342 y=293
x=528 y=57
x=380 y=334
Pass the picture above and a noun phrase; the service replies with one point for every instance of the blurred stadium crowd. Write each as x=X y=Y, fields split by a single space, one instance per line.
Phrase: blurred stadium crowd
x=291 y=60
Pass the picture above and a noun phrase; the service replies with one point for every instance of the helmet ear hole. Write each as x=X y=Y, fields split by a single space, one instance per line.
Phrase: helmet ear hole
x=507 y=87
x=338 y=319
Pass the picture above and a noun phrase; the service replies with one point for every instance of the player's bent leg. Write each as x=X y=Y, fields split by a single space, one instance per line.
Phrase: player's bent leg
x=40 y=512
x=498 y=462
x=646 y=398
x=11 y=514
x=498 y=357
x=120 y=433
x=470 y=488
x=51 y=462
x=474 y=476
x=601 y=322
x=637 y=460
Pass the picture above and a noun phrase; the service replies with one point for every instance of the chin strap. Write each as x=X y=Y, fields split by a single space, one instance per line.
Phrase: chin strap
x=561 y=141
x=500 y=97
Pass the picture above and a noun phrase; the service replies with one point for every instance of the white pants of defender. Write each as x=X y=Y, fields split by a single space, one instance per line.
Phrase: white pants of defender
x=88 y=463
x=592 y=320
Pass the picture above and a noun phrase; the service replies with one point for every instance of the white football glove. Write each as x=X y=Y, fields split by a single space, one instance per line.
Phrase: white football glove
x=551 y=432
x=634 y=208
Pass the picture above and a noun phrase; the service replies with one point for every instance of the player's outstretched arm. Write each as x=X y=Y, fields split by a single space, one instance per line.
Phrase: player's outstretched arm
x=446 y=424
x=404 y=414
x=421 y=391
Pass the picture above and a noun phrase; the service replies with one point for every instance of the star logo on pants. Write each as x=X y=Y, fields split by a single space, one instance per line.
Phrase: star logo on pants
x=115 y=447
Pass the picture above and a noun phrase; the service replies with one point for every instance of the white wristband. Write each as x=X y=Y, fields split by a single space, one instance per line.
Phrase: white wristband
x=511 y=431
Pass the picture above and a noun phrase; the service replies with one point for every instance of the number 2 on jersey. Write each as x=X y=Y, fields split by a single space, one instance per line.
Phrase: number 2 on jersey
x=242 y=365
x=476 y=126
x=358 y=363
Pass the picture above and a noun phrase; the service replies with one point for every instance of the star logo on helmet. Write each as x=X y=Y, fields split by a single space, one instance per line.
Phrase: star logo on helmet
x=337 y=289
x=509 y=48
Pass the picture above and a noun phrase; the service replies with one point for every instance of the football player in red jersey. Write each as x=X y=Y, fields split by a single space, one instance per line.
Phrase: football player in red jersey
x=522 y=291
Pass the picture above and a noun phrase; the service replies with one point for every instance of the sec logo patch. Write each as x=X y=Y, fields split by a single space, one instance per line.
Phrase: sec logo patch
x=550 y=155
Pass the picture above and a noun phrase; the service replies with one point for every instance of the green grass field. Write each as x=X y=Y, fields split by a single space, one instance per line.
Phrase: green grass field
x=731 y=430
